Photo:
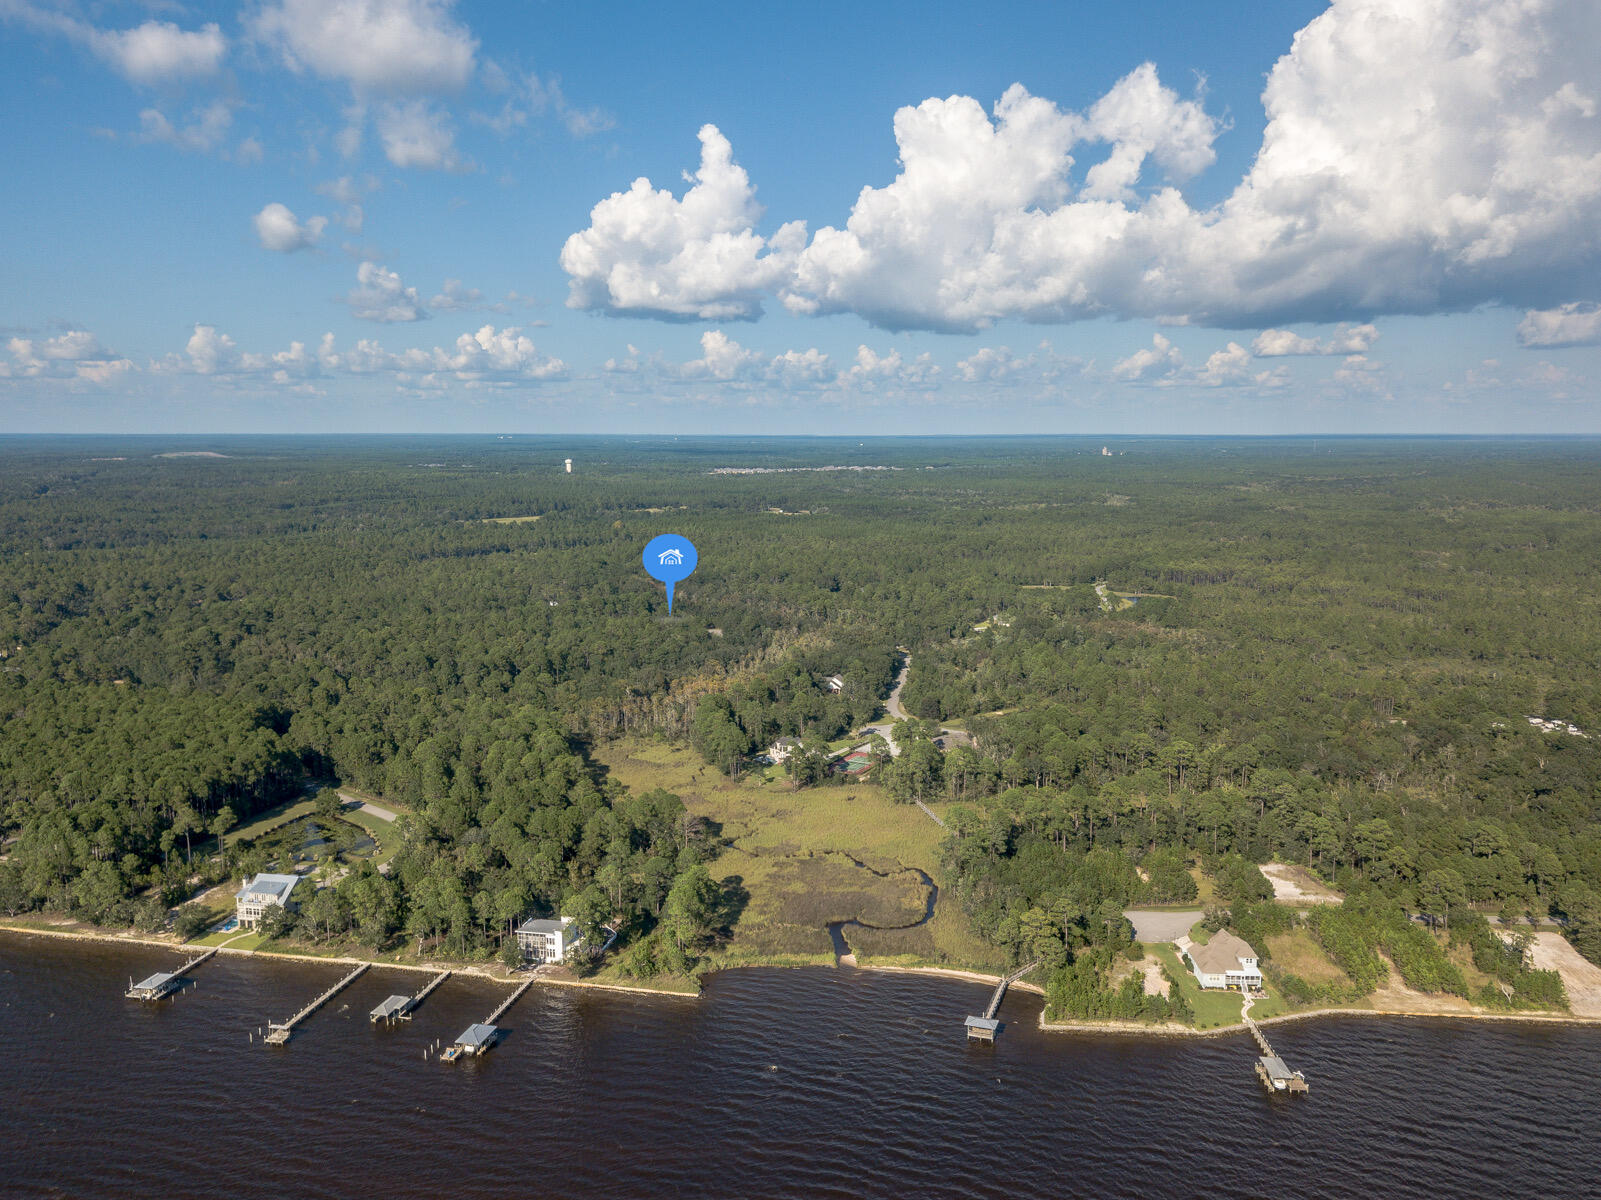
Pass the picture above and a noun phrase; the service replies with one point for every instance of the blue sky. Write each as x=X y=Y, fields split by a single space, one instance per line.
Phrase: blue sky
x=409 y=215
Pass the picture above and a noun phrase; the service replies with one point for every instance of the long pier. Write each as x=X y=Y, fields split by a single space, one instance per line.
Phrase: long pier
x=1272 y=1070
x=477 y=1039
x=277 y=1035
x=984 y=1028
x=164 y=983
x=509 y=1001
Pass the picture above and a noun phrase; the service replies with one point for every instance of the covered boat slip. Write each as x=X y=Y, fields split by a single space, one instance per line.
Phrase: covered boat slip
x=155 y=986
x=1277 y=1076
x=474 y=1040
x=165 y=983
x=395 y=1008
x=400 y=1008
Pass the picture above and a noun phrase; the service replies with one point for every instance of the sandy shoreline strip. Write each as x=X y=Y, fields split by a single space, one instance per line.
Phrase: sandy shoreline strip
x=476 y=969
x=1121 y=1028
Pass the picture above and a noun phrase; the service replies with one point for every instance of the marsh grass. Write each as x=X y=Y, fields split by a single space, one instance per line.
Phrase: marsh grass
x=792 y=850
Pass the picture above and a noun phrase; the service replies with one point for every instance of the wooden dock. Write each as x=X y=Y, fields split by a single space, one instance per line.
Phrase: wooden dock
x=164 y=983
x=986 y=1027
x=1272 y=1070
x=400 y=1008
x=277 y=1035
x=509 y=1001
x=479 y=1038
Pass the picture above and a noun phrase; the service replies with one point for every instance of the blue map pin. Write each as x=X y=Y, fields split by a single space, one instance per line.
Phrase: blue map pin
x=670 y=558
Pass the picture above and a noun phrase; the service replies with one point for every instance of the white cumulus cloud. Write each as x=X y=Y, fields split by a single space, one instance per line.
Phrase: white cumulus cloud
x=156 y=52
x=1347 y=339
x=414 y=133
x=1576 y=324
x=648 y=252
x=278 y=229
x=204 y=130
x=1419 y=156
x=159 y=51
x=397 y=47
x=76 y=354
x=723 y=358
x=1162 y=357
x=380 y=295
x=489 y=356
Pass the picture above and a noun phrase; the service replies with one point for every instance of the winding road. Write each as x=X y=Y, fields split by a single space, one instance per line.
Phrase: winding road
x=893 y=707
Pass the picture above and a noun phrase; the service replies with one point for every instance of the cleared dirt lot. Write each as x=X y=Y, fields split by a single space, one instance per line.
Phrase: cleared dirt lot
x=1580 y=976
x=1295 y=885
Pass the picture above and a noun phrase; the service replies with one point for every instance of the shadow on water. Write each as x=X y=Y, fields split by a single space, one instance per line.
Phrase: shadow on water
x=843 y=954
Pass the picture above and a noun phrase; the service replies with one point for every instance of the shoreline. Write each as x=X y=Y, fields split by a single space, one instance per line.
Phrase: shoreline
x=1170 y=1030
x=480 y=970
x=1116 y=1027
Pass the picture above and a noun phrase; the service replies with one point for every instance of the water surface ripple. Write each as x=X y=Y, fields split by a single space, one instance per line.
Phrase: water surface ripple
x=799 y=1083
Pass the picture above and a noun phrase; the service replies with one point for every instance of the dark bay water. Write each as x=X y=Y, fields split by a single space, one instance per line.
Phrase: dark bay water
x=800 y=1083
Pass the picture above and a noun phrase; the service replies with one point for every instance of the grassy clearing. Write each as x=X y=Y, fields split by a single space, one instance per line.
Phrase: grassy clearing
x=1297 y=953
x=792 y=850
x=270 y=820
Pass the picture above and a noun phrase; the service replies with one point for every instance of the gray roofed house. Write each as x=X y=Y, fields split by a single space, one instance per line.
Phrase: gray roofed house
x=1226 y=961
x=260 y=893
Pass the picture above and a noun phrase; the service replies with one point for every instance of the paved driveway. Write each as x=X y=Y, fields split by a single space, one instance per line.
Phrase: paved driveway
x=1162 y=926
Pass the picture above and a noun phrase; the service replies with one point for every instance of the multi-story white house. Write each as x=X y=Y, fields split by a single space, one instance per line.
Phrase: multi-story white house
x=545 y=941
x=1226 y=961
x=260 y=894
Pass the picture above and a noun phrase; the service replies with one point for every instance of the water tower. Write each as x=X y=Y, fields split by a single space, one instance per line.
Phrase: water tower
x=569 y=466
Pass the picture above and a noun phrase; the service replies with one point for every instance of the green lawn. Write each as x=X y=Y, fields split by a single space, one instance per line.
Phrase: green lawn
x=270 y=820
x=250 y=941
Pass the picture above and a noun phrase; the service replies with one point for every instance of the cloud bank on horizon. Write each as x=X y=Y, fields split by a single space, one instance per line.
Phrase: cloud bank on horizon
x=1420 y=156
x=1437 y=159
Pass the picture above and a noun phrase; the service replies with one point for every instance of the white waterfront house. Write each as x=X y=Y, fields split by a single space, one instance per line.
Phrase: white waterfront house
x=1226 y=961
x=545 y=941
x=260 y=894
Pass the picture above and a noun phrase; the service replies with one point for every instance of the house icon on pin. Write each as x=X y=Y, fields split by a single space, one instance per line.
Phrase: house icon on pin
x=671 y=558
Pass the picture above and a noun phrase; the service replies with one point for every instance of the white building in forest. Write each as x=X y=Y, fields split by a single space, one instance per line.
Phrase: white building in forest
x=547 y=941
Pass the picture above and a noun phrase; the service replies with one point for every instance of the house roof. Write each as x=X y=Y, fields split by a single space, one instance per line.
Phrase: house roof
x=477 y=1035
x=543 y=925
x=989 y=1023
x=1220 y=955
x=155 y=981
x=272 y=887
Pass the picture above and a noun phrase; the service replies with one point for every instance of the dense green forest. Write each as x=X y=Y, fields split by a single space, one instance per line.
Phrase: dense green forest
x=1331 y=658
